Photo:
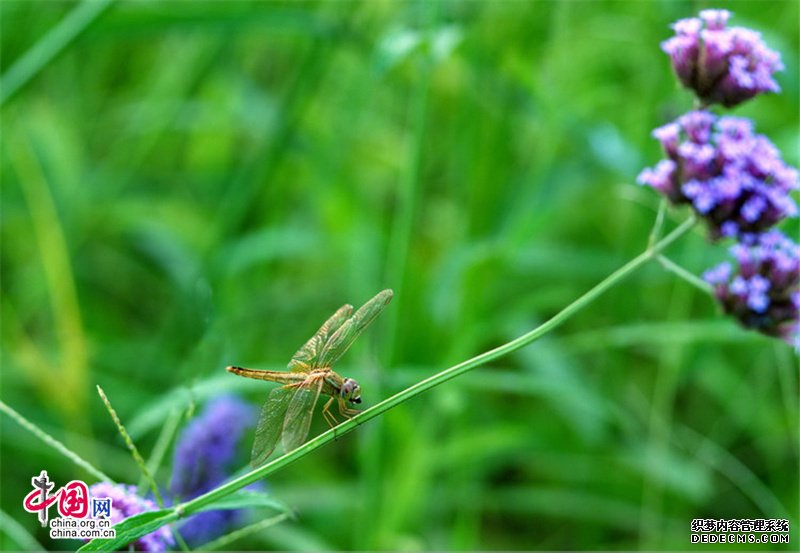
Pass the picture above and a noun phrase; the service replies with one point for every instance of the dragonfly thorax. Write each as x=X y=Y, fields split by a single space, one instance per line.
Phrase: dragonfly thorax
x=350 y=391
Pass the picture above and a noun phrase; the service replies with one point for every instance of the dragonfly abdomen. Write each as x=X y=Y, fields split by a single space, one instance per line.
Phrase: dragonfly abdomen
x=270 y=376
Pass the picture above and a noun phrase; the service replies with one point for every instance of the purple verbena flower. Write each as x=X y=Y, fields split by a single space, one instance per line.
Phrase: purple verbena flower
x=721 y=64
x=124 y=504
x=764 y=293
x=733 y=178
x=203 y=457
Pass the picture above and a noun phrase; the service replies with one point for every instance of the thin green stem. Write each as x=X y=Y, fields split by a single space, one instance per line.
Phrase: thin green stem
x=55 y=444
x=401 y=241
x=50 y=46
x=692 y=279
x=199 y=502
x=659 y=223
x=179 y=539
x=162 y=444
x=406 y=215
x=132 y=447
x=154 y=462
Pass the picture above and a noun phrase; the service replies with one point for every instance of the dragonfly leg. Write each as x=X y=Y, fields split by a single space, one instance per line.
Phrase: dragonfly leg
x=326 y=412
x=345 y=411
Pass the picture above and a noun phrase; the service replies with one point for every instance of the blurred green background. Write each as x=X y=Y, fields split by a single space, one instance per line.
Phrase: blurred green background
x=189 y=185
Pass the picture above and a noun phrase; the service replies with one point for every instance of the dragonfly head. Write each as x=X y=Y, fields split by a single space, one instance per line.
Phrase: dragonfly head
x=351 y=391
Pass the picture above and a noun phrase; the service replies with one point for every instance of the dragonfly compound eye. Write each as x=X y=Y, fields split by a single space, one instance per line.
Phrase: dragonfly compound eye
x=351 y=391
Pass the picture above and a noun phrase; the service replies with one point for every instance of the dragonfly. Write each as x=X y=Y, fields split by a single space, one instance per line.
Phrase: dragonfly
x=289 y=408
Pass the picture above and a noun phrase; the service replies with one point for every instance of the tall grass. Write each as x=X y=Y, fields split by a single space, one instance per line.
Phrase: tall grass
x=191 y=185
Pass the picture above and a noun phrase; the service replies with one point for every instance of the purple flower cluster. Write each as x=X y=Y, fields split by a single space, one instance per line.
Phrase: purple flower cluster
x=203 y=457
x=721 y=64
x=733 y=178
x=764 y=293
x=124 y=504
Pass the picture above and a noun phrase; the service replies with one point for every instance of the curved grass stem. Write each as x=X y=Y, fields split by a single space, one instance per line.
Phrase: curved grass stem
x=203 y=501
x=441 y=377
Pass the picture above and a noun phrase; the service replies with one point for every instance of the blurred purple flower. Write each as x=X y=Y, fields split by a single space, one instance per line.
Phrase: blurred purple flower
x=203 y=456
x=721 y=64
x=764 y=293
x=733 y=178
x=124 y=504
x=208 y=525
x=207 y=446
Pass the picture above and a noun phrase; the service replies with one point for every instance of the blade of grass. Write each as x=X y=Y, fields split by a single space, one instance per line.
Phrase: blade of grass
x=405 y=217
x=55 y=444
x=201 y=502
x=734 y=470
x=787 y=366
x=247 y=499
x=18 y=534
x=709 y=331
x=34 y=363
x=156 y=456
x=227 y=539
x=670 y=362
x=162 y=444
x=56 y=265
x=131 y=529
x=50 y=46
x=405 y=221
x=132 y=447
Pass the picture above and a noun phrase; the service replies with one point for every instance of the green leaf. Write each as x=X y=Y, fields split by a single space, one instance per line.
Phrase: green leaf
x=131 y=529
x=247 y=499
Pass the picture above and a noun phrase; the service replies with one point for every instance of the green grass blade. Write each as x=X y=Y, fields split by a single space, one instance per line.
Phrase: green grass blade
x=224 y=541
x=53 y=43
x=18 y=534
x=162 y=444
x=132 y=529
x=734 y=470
x=244 y=499
x=51 y=239
x=55 y=444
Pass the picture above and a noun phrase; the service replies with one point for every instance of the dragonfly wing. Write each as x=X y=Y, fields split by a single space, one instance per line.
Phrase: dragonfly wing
x=305 y=358
x=299 y=413
x=341 y=340
x=270 y=424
